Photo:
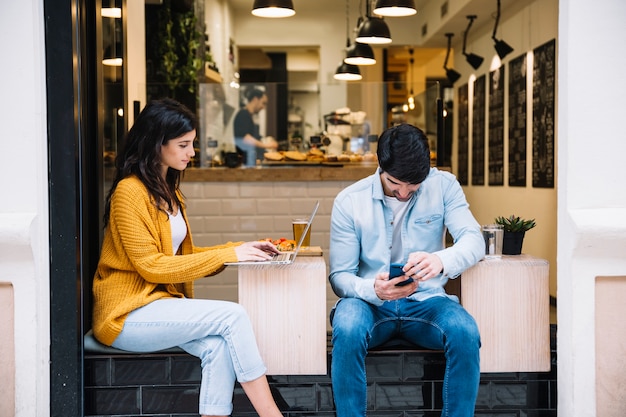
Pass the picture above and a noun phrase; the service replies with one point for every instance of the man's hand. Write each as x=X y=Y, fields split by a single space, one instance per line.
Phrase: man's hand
x=387 y=290
x=423 y=266
x=269 y=142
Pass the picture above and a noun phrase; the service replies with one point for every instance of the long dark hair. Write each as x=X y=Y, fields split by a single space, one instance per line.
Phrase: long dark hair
x=159 y=122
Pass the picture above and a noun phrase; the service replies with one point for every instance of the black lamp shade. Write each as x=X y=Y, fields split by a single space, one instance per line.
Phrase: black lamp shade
x=502 y=48
x=347 y=72
x=452 y=75
x=374 y=30
x=273 y=8
x=360 y=54
x=395 y=8
x=474 y=60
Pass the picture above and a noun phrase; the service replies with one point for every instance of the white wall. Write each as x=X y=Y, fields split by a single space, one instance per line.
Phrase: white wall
x=23 y=212
x=591 y=197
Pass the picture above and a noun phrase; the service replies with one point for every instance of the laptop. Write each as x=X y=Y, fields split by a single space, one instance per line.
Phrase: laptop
x=284 y=258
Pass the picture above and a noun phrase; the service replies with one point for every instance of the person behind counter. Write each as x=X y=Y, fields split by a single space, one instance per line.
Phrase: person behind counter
x=143 y=285
x=399 y=215
x=250 y=145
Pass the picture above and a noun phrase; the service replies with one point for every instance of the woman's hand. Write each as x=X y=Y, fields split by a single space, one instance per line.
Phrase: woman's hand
x=255 y=251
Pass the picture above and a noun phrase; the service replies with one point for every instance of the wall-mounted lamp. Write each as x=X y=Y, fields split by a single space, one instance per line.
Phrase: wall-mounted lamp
x=473 y=59
x=395 y=8
x=502 y=48
x=347 y=72
x=452 y=75
x=273 y=8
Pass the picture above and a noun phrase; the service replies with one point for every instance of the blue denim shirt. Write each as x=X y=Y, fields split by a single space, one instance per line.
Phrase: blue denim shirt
x=361 y=233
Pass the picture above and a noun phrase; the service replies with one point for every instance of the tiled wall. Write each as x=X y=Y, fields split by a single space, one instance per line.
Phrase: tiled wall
x=400 y=384
x=241 y=211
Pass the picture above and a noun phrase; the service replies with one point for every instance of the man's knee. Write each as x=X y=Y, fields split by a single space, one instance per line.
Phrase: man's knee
x=464 y=331
x=349 y=321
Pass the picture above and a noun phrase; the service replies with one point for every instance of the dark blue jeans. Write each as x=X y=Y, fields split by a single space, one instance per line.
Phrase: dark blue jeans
x=435 y=323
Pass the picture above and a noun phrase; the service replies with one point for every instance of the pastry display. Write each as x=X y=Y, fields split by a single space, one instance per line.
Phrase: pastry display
x=294 y=156
x=369 y=157
x=274 y=156
x=314 y=155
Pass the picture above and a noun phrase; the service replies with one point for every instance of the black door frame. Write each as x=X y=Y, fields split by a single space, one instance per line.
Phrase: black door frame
x=73 y=191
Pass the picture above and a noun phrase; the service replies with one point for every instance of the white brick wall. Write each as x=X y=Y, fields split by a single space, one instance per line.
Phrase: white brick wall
x=234 y=211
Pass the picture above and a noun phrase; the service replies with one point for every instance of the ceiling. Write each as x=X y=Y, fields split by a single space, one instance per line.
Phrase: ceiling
x=455 y=20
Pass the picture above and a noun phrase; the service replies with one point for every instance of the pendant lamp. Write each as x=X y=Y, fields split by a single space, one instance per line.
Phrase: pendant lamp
x=473 y=59
x=347 y=72
x=273 y=8
x=360 y=54
x=112 y=56
x=395 y=8
x=373 y=30
x=502 y=48
x=410 y=102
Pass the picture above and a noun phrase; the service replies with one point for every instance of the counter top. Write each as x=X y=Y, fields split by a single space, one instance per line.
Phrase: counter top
x=346 y=172
x=278 y=173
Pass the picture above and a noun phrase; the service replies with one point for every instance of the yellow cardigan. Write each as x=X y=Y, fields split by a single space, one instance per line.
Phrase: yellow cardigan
x=137 y=265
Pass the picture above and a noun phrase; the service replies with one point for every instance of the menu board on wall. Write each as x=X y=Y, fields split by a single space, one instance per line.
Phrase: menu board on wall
x=478 y=132
x=543 y=115
x=463 y=131
x=517 y=122
x=496 y=127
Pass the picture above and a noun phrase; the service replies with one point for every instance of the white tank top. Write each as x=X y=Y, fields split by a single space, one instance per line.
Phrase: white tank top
x=179 y=230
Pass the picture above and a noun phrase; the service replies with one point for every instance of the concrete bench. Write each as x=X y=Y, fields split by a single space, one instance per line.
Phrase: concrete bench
x=92 y=346
x=396 y=345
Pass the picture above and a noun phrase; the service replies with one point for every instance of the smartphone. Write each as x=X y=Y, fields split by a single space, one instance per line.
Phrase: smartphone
x=395 y=270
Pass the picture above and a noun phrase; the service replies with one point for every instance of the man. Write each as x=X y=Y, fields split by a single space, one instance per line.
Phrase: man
x=247 y=137
x=400 y=214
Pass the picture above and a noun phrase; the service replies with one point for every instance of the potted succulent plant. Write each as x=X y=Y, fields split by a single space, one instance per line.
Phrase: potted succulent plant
x=515 y=229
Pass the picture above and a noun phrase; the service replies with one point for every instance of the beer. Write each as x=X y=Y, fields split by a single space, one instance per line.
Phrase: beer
x=298 y=227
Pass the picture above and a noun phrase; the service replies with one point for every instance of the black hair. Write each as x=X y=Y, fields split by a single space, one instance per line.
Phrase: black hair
x=254 y=92
x=159 y=122
x=403 y=153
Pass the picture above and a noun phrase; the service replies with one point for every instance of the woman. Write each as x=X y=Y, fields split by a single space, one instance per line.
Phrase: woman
x=143 y=286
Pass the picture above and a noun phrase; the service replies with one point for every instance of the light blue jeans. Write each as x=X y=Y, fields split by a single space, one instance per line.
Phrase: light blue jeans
x=434 y=323
x=217 y=332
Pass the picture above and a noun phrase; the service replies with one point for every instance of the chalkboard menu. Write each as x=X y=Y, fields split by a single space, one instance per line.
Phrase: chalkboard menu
x=517 y=122
x=543 y=115
x=463 y=131
x=496 y=127
x=478 y=132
